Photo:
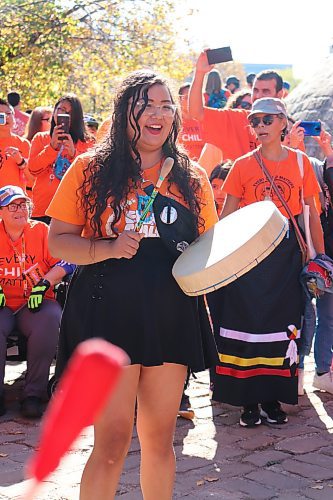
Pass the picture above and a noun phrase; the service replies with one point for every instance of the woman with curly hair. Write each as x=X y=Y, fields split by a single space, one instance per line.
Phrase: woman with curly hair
x=123 y=290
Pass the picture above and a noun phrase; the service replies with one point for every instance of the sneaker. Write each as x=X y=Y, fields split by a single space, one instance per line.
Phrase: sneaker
x=185 y=410
x=323 y=382
x=31 y=407
x=300 y=382
x=250 y=416
x=273 y=413
x=2 y=405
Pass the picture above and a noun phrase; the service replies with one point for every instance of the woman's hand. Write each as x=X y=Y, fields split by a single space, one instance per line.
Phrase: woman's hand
x=57 y=134
x=14 y=153
x=126 y=245
x=325 y=142
x=69 y=146
x=202 y=65
x=296 y=135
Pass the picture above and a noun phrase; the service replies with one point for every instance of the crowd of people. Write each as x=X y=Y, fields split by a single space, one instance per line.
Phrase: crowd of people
x=71 y=204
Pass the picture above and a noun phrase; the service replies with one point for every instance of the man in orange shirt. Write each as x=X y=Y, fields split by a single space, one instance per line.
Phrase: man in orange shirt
x=228 y=129
x=14 y=150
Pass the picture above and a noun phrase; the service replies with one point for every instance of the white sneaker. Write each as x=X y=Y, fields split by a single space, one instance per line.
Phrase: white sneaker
x=300 y=382
x=323 y=382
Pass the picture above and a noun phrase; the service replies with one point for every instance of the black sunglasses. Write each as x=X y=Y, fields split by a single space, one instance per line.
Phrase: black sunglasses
x=266 y=120
x=245 y=105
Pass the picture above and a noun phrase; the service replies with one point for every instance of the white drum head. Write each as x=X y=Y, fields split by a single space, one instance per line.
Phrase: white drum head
x=232 y=247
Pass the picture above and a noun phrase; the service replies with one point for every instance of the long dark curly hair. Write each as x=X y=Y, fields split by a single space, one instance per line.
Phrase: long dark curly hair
x=115 y=167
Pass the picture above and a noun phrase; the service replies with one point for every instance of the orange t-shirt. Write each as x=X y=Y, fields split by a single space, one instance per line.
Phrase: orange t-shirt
x=10 y=173
x=104 y=129
x=229 y=130
x=247 y=181
x=41 y=165
x=191 y=137
x=38 y=261
x=65 y=205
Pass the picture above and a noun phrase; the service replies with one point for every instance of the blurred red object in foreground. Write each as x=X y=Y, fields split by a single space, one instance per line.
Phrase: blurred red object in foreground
x=85 y=387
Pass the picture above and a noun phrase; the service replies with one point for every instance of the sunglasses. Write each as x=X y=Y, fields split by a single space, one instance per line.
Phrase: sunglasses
x=245 y=105
x=266 y=120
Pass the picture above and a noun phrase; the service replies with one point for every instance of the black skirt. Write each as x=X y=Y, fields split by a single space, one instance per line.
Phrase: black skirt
x=257 y=321
x=137 y=305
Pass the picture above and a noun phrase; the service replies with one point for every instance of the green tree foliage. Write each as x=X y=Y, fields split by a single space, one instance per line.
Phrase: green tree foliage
x=49 y=47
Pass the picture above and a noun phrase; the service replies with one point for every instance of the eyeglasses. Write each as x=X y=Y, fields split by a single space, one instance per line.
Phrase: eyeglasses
x=167 y=110
x=266 y=120
x=13 y=207
x=245 y=105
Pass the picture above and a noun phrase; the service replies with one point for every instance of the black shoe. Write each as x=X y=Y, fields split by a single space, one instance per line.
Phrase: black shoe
x=2 y=406
x=31 y=407
x=185 y=410
x=273 y=413
x=250 y=416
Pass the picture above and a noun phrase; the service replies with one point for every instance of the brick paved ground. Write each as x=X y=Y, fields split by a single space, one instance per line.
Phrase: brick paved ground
x=216 y=457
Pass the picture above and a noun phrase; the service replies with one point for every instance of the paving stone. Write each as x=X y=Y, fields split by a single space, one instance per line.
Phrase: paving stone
x=277 y=480
x=307 y=470
x=251 y=489
x=317 y=458
x=319 y=494
x=266 y=458
x=302 y=444
x=257 y=442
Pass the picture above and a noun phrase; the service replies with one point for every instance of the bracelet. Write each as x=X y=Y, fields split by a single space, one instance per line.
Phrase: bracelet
x=22 y=162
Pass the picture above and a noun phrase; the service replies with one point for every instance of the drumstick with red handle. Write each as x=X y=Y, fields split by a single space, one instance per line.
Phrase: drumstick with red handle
x=165 y=170
x=85 y=387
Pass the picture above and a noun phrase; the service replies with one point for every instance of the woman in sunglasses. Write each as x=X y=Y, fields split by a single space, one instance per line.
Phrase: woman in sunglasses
x=240 y=100
x=39 y=121
x=258 y=317
x=27 y=302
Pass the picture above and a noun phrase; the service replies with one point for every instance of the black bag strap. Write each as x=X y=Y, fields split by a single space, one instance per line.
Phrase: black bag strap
x=298 y=233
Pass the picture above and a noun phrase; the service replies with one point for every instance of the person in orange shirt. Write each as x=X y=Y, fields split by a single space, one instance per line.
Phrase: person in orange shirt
x=228 y=129
x=14 y=150
x=21 y=118
x=191 y=136
x=52 y=153
x=124 y=290
x=27 y=275
x=257 y=319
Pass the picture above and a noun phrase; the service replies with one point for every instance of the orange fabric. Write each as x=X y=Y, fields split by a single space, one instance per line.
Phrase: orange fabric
x=10 y=173
x=210 y=157
x=191 y=137
x=21 y=120
x=229 y=130
x=38 y=261
x=41 y=160
x=64 y=205
x=247 y=181
x=104 y=129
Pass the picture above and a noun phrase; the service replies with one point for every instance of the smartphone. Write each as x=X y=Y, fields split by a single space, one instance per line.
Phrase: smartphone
x=64 y=120
x=220 y=55
x=2 y=118
x=311 y=128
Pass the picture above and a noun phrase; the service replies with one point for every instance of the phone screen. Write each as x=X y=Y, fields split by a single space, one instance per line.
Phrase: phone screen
x=220 y=55
x=311 y=128
x=2 y=118
x=64 y=120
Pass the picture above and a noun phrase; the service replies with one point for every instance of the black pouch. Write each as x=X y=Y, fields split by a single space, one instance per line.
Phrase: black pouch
x=177 y=226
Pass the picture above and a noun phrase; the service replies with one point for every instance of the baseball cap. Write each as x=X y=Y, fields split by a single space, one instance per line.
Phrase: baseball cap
x=286 y=85
x=11 y=193
x=269 y=106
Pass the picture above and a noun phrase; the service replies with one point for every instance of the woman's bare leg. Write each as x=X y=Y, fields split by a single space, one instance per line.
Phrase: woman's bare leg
x=113 y=433
x=159 y=394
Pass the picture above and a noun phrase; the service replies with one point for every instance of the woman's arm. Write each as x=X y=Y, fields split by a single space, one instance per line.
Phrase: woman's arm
x=66 y=242
x=195 y=96
x=55 y=275
x=231 y=204
x=315 y=226
x=41 y=155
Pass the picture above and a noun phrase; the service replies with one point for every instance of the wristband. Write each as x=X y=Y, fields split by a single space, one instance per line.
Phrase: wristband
x=22 y=162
